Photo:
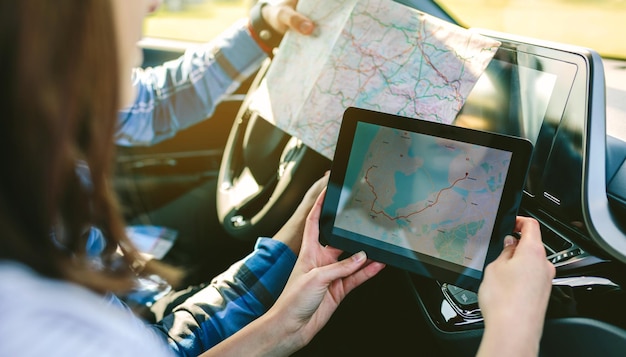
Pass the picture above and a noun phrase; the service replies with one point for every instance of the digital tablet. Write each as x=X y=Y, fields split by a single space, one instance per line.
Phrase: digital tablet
x=431 y=198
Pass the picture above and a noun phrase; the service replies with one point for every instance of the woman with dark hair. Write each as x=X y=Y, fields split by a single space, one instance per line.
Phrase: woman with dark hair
x=58 y=112
x=63 y=65
x=65 y=74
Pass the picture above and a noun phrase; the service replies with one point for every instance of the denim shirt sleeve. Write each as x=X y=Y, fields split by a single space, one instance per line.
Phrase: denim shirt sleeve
x=185 y=91
x=232 y=300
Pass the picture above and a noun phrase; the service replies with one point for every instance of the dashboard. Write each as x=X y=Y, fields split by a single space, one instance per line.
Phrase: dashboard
x=555 y=96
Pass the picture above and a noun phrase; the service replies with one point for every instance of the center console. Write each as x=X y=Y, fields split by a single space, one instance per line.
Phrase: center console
x=553 y=95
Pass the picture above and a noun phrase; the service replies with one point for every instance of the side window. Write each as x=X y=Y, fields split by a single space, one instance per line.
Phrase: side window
x=194 y=20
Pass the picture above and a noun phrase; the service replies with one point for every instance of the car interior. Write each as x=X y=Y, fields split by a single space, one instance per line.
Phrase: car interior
x=568 y=100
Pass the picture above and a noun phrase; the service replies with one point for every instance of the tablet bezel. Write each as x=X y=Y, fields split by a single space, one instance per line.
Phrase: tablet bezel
x=394 y=255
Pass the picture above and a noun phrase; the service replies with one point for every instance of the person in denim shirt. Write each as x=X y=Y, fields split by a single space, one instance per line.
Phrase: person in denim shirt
x=183 y=92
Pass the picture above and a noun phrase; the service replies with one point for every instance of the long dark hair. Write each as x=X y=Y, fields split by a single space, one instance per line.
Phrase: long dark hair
x=59 y=101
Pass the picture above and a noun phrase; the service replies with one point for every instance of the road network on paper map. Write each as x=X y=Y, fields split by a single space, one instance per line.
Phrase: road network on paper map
x=434 y=196
x=373 y=54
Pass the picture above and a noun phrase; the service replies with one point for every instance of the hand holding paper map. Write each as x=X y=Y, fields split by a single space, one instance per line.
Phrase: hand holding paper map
x=372 y=54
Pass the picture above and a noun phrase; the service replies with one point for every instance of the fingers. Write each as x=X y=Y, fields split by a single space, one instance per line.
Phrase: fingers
x=293 y=231
x=282 y=16
x=529 y=228
x=353 y=270
x=311 y=228
x=311 y=195
x=529 y=246
x=510 y=243
x=316 y=188
x=529 y=238
x=369 y=270
x=314 y=215
x=295 y=21
x=335 y=252
x=530 y=241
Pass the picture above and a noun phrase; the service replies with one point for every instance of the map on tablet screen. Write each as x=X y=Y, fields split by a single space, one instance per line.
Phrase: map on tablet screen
x=432 y=198
x=450 y=215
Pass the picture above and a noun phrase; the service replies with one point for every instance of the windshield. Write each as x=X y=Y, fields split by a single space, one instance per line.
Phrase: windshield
x=590 y=23
x=596 y=24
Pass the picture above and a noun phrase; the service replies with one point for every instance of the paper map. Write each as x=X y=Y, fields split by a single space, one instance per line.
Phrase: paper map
x=372 y=54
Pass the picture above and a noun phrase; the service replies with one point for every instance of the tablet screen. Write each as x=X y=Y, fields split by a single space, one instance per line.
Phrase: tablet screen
x=431 y=198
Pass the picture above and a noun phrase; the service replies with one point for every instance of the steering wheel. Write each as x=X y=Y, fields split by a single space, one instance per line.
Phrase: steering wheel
x=264 y=173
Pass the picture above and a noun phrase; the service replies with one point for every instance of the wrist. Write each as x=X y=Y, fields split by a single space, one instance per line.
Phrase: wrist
x=263 y=34
x=265 y=336
x=279 y=340
x=516 y=339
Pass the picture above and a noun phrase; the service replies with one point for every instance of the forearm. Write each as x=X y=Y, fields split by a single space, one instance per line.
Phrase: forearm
x=257 y=339
x=232 y=300
x=187 y=90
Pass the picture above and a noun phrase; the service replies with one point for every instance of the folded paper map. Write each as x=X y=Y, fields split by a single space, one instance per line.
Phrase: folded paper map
x=372 y=54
